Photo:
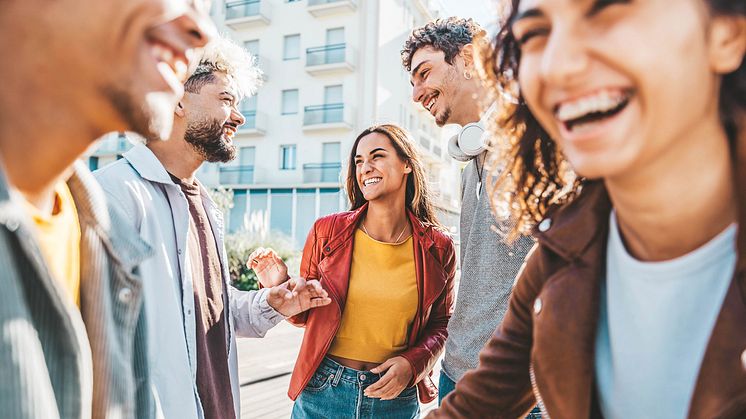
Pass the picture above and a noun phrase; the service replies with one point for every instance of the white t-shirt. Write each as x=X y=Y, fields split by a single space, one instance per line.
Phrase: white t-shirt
x=654 y=325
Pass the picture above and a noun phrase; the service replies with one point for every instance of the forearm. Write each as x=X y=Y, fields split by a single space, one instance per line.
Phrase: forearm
x=252 y=314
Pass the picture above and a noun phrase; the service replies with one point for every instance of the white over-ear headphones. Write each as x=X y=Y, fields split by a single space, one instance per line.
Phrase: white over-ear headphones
x=473 y=138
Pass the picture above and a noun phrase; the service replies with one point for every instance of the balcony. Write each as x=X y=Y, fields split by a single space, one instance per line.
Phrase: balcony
x=236 y=175
x=330 y=59
x=321 y=172
x=255 y=125
x=332 y=116
x=319 y=8
x=245 y=14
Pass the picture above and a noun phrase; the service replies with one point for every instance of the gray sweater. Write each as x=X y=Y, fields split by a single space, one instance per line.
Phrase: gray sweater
x=488 y=271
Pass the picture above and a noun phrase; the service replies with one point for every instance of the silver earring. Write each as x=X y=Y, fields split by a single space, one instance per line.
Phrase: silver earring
x=467 y=74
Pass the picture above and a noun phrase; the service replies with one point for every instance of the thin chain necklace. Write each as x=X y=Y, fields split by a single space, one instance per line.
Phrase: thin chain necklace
x=395 y=241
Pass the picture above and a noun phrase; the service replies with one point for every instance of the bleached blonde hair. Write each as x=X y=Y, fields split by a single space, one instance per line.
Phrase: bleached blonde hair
x=225 y=56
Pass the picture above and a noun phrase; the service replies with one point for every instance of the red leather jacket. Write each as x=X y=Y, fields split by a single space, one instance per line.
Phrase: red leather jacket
x=327 y=256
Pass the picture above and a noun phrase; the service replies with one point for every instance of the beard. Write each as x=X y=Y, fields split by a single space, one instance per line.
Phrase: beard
x=207 y=138
x=443 y=117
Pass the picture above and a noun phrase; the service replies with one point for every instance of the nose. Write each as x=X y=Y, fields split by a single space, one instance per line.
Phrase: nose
x=237 y=117
x=418 y=92
x=187 y=32
x=366 y=167
x=565 y=58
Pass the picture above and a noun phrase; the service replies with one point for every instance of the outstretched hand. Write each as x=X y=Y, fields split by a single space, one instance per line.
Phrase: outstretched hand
x=268 y=266
x=397 y=378
x=297 y=295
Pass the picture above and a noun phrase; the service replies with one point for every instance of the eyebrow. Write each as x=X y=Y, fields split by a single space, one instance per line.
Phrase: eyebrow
x=533 y=12
x=373 y=151
x=418 y=67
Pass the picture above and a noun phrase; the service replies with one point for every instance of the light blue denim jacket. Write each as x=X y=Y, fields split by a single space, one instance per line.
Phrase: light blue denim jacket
x=140 y=185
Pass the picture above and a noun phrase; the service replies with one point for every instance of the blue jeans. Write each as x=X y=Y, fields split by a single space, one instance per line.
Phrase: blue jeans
x=446 y=385
x=336 y=391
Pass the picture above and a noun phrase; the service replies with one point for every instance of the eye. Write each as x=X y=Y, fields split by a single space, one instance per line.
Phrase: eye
x=424 y=73
x=600 y=5
x=529 y=35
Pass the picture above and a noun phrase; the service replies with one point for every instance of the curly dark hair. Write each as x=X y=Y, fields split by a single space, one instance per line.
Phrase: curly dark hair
x=531 y=173
x=447 y=35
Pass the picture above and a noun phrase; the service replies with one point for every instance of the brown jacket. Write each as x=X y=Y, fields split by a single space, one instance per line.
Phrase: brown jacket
x=327 y=256
x=543 y=351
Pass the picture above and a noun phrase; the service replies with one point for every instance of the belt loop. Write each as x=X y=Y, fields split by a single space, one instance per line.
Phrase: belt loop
x=338 y=375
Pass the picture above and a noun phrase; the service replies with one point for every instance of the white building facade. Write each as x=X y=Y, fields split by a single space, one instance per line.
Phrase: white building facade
x=332 y=69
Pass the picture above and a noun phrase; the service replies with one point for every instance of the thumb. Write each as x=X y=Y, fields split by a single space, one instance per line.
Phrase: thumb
x=381 y=368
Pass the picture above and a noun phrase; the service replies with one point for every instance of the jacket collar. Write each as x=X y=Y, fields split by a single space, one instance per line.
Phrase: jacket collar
x=91 y=203
x=569 y=229
x=351 y=220
x=147 y=164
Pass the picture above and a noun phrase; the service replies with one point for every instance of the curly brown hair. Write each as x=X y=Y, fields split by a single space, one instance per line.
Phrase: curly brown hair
x=530 y=173
x=447 y=35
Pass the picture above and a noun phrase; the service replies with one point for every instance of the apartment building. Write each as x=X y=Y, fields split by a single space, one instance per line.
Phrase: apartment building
x=331 y=68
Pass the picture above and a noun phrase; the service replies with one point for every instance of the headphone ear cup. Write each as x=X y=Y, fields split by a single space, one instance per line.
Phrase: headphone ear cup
x=471 y=139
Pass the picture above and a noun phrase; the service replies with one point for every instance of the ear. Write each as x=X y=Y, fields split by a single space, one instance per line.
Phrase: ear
x=179 y=109
x=727 y=43
x=407 y=168
x=467 y=53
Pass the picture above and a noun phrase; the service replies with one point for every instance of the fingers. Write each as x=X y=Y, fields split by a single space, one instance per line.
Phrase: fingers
x=320 y=302
x=383 y=367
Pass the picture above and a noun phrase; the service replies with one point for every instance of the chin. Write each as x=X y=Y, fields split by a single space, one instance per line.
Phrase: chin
x=595 y=166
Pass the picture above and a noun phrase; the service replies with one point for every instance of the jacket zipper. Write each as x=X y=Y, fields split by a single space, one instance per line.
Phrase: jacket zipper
x=539 y=401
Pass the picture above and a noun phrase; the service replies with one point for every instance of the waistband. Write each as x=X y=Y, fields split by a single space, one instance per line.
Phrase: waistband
x=329 y=367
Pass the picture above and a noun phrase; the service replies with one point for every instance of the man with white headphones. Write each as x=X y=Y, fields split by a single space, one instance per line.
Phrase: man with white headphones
x=440 y=59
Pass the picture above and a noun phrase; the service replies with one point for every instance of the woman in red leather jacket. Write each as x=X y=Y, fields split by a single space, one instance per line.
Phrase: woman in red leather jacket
x=388 y=268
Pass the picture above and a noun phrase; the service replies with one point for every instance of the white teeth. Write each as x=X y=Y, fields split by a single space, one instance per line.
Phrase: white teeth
x=371 y=181
x=430 y=103
x=603 y=101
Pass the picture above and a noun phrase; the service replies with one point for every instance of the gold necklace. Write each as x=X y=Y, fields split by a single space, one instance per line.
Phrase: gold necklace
x=397 y=239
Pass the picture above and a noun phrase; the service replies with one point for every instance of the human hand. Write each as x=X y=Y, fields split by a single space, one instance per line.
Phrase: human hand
x=297 y=295
x=268 y=266
x=397 y=377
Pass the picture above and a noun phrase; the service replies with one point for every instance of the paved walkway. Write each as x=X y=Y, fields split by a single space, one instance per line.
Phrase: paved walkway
x=264 y=370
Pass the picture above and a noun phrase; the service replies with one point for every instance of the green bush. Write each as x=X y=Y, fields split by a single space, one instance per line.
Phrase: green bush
x=240 y=245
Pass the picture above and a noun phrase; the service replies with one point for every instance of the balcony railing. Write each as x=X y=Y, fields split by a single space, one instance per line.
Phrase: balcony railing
x=323 y=114
x=250 y=117
x=321 y=172
x=328 y=7
x=242 y=9
x=327 y=54
x=244 y=14
x=237 y=175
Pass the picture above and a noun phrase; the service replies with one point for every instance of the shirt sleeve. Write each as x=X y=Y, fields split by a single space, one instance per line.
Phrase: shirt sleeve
x=252 y=314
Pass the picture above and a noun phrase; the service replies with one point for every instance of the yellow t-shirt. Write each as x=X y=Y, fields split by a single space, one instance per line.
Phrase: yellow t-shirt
x=382 y=301
x=59 y=238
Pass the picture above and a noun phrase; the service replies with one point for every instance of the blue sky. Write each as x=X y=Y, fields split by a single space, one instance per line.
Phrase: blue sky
x=479 y=10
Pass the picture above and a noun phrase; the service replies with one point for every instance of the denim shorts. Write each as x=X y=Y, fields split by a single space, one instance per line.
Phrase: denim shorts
x=336 y=392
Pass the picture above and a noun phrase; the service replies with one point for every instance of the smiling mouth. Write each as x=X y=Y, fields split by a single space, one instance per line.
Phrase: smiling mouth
x=371 y=181
x=430 y=102
x=229 y=131
x=592 y=109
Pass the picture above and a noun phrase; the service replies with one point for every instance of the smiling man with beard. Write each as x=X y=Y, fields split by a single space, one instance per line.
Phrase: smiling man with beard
x=193 y=313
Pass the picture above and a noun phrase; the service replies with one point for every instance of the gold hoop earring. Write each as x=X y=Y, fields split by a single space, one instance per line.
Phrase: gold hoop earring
x=467 y=74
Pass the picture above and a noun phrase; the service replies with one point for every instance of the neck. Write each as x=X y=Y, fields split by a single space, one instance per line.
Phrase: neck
x=385 y=222
x=177 y=156
x=45 y=123
x=680 y=201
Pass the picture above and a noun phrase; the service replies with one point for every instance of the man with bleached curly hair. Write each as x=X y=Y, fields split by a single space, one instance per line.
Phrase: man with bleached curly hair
x=193 y=313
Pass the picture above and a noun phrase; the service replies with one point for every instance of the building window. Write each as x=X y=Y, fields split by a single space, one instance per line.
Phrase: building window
x=291 y=47
x=253 y=48
x=290 y=102
x=287 y=157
